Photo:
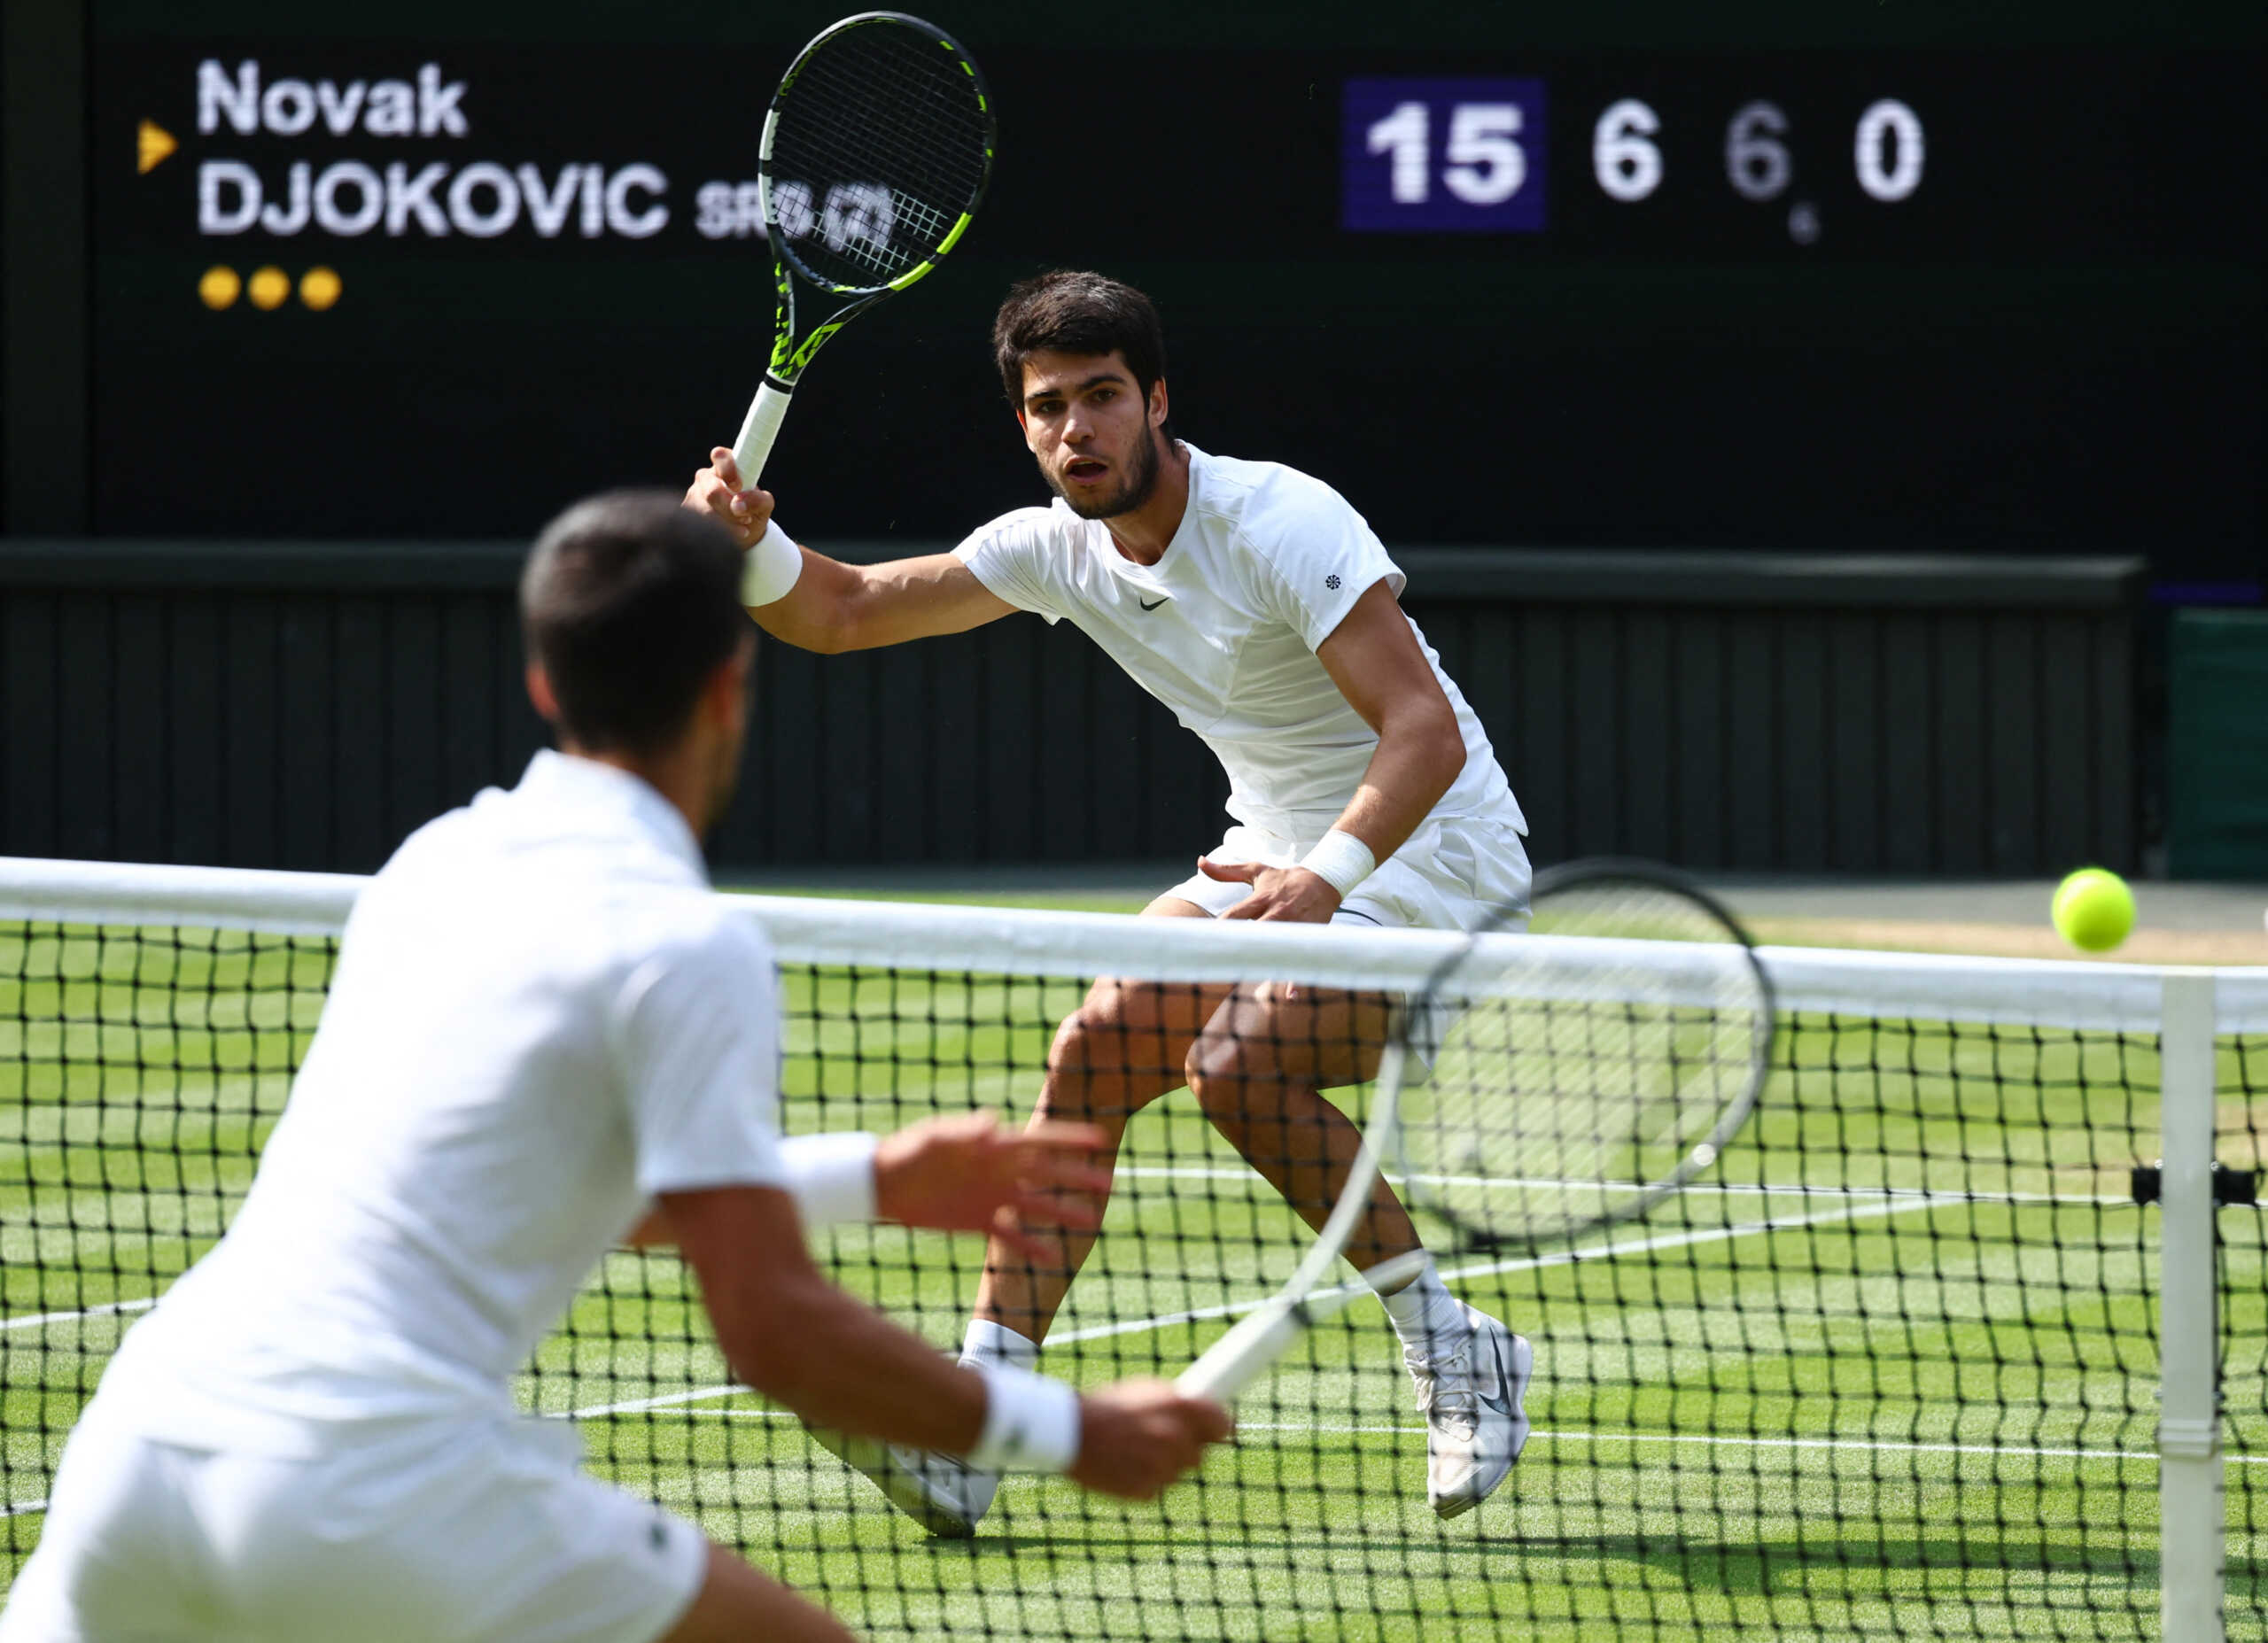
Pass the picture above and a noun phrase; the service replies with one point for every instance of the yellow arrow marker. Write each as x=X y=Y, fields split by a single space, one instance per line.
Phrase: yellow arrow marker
x=151 y=144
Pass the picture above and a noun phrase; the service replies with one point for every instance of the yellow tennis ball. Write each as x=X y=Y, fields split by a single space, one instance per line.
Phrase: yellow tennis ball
x=2093 y=910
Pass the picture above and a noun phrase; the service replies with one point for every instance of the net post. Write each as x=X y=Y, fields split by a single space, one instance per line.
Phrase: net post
x=2190 y=1511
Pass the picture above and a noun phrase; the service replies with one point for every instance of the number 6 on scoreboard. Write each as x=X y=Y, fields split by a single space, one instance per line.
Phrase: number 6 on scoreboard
x=875 y=154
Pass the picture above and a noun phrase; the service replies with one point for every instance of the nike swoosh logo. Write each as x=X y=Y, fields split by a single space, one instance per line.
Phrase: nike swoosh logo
x=1152 y=604
x=1500 y=1403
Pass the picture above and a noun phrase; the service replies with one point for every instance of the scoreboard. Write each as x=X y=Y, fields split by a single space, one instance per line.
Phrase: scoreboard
x=433 y=274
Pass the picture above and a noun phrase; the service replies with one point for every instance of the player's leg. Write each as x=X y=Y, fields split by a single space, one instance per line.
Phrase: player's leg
x=1123 y=1047
x=1258 y=1071
x=738 y=1603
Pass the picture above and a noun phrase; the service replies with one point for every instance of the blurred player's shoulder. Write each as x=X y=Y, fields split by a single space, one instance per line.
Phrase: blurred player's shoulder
x=585 y=863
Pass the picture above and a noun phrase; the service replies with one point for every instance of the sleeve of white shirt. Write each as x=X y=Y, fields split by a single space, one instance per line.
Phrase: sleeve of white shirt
x=701 y=1049
x=698 y=1036
x=1010 y=557
x=1321 y=556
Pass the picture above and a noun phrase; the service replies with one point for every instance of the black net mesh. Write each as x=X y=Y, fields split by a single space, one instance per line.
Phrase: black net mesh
x=881 y=145
x=1890 y=1371
x=2242 y=1151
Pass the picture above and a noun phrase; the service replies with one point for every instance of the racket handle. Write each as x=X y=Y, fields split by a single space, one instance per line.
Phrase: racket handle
x=758 y=430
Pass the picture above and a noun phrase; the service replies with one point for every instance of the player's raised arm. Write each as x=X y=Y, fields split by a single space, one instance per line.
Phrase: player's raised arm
x=818 y=603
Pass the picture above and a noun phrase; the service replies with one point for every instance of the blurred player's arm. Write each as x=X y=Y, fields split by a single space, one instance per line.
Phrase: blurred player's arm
x=1374 y=659
x=958 y=1171
x=793 y=1335
x=834 y=607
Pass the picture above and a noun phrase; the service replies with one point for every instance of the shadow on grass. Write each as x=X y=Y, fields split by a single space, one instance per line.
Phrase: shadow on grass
x=1780 y=1566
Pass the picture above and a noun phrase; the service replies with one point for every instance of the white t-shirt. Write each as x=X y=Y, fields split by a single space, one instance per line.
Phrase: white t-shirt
x=1224 y=627
x=542 y=1017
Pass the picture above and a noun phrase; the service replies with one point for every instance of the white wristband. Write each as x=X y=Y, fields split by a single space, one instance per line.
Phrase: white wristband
x=1031 y=1423
x=770 y=568
x=1341 y=860
x=831 y=1177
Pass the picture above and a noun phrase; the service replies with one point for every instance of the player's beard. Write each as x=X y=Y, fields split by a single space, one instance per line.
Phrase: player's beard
x=1141 y=481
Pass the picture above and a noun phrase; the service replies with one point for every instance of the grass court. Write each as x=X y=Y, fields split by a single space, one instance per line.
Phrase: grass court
x=1890 y=1371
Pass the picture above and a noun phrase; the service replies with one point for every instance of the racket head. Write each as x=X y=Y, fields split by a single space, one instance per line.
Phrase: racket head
x=1550 y=1087
x=877 y=149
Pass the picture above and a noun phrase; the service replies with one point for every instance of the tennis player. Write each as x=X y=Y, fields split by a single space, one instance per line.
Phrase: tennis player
x=1257 y=604
x=544 y=1032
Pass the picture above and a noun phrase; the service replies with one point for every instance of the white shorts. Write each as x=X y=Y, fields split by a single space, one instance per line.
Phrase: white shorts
x=1452 y=874
x=438 y=1531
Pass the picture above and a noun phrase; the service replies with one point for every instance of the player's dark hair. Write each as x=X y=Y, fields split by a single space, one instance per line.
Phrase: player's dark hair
x=630 y=602
x=1072 y=311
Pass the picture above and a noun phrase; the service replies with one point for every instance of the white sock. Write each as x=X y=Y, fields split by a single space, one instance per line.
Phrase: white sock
x=1427 y=1316
x=988 y=1342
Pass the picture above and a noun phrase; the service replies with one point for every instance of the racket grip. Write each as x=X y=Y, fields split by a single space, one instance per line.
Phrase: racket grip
x=758 y=430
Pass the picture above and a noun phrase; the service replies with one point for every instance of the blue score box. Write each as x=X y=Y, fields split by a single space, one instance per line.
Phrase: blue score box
x=1427 y=155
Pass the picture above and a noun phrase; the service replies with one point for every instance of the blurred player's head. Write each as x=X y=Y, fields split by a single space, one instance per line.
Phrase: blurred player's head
x=638 y=649
x=1082 y=359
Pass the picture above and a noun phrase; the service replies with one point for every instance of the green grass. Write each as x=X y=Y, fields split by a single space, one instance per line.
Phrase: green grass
x=1887 y=1414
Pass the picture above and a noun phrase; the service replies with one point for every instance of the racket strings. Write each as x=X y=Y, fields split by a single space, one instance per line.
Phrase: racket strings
x=1562 y=1094
x=881 y=147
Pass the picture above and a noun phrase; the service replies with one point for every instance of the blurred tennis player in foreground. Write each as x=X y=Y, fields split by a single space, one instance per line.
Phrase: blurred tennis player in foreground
x=1257 y=604
x=544 y=1032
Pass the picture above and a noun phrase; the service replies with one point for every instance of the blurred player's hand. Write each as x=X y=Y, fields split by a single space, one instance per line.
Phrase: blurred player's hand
x=1285 y=893
x=716 y=491
x=967 y=1172
x=1137 y=1437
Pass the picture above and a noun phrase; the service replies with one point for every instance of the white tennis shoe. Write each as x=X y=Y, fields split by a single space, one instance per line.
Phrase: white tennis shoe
x=1475 y=1420
x=943 y=1495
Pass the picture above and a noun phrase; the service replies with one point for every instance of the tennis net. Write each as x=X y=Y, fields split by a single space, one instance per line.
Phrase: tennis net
x=1911 y=1361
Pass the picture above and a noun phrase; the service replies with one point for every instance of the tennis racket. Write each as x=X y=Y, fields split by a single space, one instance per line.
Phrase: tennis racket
x=1544 y=1085
x=875 y=154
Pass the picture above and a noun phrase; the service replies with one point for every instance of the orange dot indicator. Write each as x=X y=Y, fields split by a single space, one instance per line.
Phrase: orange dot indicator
x=269 y=287
x=219 y=286
x=319 y=288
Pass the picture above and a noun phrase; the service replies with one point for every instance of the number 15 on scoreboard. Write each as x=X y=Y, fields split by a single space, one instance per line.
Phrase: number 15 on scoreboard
x=1434 y=154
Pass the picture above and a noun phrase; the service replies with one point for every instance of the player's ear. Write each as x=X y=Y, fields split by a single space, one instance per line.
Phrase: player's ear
x=1158 y=408
x=541 y=695
x=730 y=687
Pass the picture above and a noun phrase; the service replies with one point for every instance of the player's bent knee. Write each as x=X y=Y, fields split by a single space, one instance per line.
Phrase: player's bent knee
x=1218 y=1070
x=1112 y=1055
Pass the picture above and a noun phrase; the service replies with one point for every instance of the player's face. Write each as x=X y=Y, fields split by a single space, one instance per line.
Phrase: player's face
x=1092 y=432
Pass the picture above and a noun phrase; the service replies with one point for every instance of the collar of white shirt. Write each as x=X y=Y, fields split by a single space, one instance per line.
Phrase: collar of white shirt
x=561 y=782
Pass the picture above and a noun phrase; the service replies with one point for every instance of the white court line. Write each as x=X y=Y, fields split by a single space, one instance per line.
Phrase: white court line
x=105 y=1310
x=1713 y=1235
x=22 y=1509
x=1917 y=1195
x=1532 y=1263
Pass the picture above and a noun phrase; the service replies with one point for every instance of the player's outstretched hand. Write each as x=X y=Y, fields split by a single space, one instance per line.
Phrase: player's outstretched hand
x=716 y=491
x=968 y=1172
x=1137 y=1437
x=1287 y=892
